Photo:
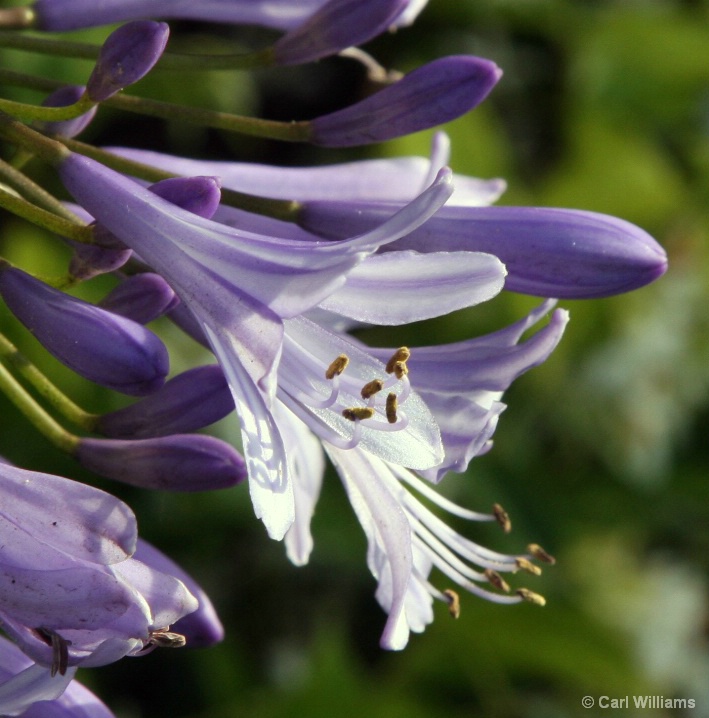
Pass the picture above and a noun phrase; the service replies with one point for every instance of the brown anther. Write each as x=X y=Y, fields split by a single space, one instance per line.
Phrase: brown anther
x=391 y=407
x=496 y=580
x=60 y=650
x=453 y=602
x=528 y=566
x=337 y=366
x=400 y=369
x=358 y=412
x=371 y=388
x=166 y=639
x=526 y=595
x=502 y=518
x=400 y=356
x=540 y=554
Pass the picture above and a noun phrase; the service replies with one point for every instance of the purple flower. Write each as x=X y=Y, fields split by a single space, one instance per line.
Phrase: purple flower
x=41 y=693
x=141 y=297
x=60 y=15
x=127 y=55
x=239 y=286
x=430 y=95
x=100 y=346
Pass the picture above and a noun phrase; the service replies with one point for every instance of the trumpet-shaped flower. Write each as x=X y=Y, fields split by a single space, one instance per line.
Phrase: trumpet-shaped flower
x=241 y=286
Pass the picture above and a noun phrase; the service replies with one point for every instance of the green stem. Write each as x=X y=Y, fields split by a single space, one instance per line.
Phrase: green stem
x=12 y=356
x=39 y=113
x=31 y=212
x=44 y=423
x=15 y=132
x=36 y=194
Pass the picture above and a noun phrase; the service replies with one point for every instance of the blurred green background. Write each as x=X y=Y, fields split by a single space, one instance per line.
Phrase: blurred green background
x=602 y=455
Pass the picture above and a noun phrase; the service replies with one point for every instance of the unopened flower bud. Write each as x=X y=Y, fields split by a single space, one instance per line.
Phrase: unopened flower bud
x=180 y=462
x=127 y=55
x=189 y=401
x=103 y=347
x=432 y=94
x=199 y=195
x=141 y=297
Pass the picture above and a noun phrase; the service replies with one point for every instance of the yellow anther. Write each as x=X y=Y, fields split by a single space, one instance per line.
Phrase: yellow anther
x=540 y=554
x=358 y=412
x=528 y=566
x=371 y=388
x=502 y=518
x=400 y=369
x=400 y=356
x=531 y=597
x=453 y=602
x=337 y=366
x=391 y=407
x=496 y=580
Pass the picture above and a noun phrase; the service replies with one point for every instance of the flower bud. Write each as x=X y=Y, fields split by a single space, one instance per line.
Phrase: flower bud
x=127 y=55
x=337 y=25
x=432 y=94
x=141 y=297
x=100 y=346
x=199 y=195
x=189 y=401
x=180 y=462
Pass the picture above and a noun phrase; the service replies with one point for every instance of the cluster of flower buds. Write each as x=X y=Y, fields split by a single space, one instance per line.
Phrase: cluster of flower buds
x=269 y=268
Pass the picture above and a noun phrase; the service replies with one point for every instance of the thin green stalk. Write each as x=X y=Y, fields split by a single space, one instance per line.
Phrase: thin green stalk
x=40 y=145
x=39 y=113
x=44 y=423
x=12 y=356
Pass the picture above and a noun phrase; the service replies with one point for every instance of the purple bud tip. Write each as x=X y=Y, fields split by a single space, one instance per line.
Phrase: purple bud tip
x=432 y=94
x=141 y=297
x=199 y=195
x=181 y=462
x=335 y=26
x=100 y=346
x=128 y=54
x=63 y=97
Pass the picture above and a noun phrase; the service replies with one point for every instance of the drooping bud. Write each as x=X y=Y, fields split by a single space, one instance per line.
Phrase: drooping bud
x=103 y=347
x=429 y=96
x=199 y=195
x=64 y=96
x=127 y=55
x=189 y=401
x=337 y=25
x=180 y=462
x=141 y=297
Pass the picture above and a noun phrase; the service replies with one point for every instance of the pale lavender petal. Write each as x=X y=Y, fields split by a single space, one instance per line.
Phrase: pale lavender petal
x=404 y=287
x=388 y=532
x=32 y=684
x=44 y=513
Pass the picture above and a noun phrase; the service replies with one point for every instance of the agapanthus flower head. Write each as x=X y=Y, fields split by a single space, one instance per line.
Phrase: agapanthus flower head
x=127 y=55
x=105 y=348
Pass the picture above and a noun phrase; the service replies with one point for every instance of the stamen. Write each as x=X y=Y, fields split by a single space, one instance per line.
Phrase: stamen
x=337 y=366
x=371 y=388
x=453 y=602
x=399 y=369
x=502 y=518
x=355 y=413
x=528 y=566
x=391 y=407
x=496 y=580
x=540 y=554
x=163 y=638
x=400 y=356
x=60 y=650
x=526 y=595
